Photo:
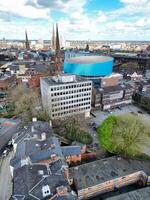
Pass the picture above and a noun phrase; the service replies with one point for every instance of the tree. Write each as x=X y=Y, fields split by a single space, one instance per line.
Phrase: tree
x=70 y=129
x=124 y=135
x=28 y=104
x=130 y=66
x=145 y=103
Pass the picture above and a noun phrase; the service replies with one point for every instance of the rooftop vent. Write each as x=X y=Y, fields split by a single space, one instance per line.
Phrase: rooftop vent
x=53 y=146
x=34 y=119
x=53 y=156
x=46 y=191
x=43 y=136
x=32 y=129
x=50 y=123
x=41 y=172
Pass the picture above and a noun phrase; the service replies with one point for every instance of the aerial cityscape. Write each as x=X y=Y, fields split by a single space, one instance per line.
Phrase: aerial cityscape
x=74 y=100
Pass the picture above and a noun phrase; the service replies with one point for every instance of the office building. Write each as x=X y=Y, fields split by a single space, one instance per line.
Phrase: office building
x=66 y=95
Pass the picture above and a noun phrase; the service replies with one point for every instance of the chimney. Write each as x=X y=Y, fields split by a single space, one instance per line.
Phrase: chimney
x=50 y=123
x=61 y=190
x=43 y=136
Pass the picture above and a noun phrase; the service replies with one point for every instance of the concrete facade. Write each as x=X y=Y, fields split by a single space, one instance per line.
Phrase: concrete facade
x=66 y=95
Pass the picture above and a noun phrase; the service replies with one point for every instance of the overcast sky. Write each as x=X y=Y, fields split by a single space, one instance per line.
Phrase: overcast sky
x=77 y=19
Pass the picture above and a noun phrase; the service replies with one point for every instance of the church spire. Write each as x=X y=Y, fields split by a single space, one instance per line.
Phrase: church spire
x=27 y=41
x=57 y=39
x=53 y=40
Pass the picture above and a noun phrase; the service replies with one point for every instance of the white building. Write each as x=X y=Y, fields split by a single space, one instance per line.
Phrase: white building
x=66 y=95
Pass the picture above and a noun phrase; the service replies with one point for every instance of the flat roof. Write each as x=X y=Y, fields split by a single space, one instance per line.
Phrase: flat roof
x=89 y=59
x=49 y=80
x=97 y=172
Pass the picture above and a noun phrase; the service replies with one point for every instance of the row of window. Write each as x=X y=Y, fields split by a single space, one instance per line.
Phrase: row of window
x=72 y=101
x=70 y=112
x=70 y=92
x=70 y=86
x=66 y=107
x=71 y=97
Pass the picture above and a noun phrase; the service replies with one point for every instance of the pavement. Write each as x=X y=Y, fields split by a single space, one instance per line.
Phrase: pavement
x=102 y=115
x=5 y=178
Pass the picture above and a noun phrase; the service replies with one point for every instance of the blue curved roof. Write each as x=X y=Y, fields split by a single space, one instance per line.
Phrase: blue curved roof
x=89 y=66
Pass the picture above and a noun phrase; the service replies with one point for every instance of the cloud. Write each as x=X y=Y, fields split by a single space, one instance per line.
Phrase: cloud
x=131 y=21
x=19 y=8
x=61 y=5
x=101 y=17
x=135 y=2
x=132 y=7
x=35 y=30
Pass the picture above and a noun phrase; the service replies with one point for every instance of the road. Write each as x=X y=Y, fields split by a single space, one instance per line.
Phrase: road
x=5 y=178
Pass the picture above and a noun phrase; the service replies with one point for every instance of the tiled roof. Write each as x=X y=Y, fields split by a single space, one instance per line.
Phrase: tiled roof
x=71 y=150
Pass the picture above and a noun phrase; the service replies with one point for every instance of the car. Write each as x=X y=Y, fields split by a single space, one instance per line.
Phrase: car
x=92 y=124
x=119 y=108
x=94 y=128
x=109 y=111
x=14 y=117
x=5 y=153
x=133 y=113
x=140 y=112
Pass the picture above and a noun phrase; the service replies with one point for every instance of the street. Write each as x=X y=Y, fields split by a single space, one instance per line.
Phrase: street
x=5 y=178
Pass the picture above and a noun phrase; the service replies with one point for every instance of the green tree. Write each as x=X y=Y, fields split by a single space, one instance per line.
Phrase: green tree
x=124 y=135
x=70 y=129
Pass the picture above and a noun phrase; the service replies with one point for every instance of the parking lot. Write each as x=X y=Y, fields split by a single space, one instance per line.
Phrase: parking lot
x=100 y=116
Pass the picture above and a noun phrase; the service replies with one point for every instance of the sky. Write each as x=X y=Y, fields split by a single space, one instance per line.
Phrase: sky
x=77 y=19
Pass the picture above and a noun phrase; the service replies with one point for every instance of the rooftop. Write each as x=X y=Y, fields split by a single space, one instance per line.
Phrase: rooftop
x=51 y=81
x=89 y=59
x=140 y=194
x=71 y=150
x=36 y=150
x=34 y=129
x=112 y=89
x=30 y=180
x=100 y=171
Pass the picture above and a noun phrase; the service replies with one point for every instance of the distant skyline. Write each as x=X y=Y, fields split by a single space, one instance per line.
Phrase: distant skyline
x=77 y=19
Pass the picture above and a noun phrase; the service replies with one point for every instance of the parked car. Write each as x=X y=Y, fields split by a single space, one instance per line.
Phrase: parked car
x=133 y=113
x=140 y=112
x=119 y=108
x=109 y=111
x=5 y=153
